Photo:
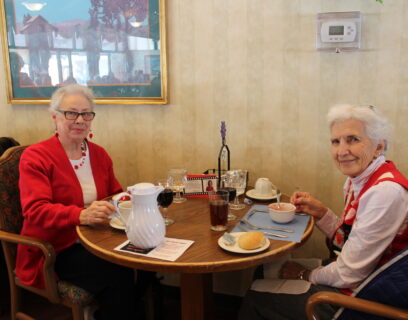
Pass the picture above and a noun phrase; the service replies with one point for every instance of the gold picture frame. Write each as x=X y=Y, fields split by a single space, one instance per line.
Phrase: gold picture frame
x=115 y=47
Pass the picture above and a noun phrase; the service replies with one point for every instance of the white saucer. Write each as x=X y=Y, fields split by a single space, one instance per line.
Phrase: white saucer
x=253 y=195
x=235 y=247
x=116 y=223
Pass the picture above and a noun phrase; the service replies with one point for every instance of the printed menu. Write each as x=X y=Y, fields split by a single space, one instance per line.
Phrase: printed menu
x=170 y=249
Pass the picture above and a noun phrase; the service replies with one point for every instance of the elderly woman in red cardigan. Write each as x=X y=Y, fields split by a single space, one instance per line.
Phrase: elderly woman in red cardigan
x=372 y=228
x=62 y=183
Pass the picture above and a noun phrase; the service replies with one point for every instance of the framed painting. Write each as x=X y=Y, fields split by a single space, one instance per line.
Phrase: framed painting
x=115 y=47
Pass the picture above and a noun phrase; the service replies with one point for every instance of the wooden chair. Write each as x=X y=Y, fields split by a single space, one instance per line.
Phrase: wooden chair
x=7 y=142
x=372 y=299
x=11 y=220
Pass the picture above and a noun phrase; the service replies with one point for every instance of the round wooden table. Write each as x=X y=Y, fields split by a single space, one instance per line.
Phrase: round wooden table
x=200 y=260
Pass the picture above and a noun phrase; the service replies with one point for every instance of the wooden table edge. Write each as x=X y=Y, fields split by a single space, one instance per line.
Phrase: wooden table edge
x=151 y=264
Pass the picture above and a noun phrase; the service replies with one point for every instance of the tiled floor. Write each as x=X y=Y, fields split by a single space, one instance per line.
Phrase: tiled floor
x=168 y=308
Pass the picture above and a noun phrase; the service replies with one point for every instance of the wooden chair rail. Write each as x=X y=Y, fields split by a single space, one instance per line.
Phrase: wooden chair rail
x=49 y=253
x=354 y=303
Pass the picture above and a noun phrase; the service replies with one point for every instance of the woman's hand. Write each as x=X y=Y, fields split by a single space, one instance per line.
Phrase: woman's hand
x=304 y=202
x=97 y=213
x=293 y=270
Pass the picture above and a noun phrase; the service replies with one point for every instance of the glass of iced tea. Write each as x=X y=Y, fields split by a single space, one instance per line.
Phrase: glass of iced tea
x=218 y=209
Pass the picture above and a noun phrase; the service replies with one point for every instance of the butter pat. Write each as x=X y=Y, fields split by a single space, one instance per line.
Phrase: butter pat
x=228 y=239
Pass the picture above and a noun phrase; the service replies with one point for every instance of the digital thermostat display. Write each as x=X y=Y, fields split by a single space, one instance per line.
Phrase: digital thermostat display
x=338 y=31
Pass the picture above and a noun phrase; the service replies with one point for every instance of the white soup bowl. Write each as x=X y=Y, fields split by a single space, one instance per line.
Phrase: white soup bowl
x=283 y=213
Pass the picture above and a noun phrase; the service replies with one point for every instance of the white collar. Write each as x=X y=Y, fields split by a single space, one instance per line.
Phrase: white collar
x=359 y=181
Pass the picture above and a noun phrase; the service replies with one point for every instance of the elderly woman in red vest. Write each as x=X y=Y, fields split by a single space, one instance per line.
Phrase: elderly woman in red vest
x=63 y=181
x=372 y=228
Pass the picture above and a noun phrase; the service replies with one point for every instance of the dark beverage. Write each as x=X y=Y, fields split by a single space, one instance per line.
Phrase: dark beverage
x=232 y=193
x=165 y=198
x=218 y=214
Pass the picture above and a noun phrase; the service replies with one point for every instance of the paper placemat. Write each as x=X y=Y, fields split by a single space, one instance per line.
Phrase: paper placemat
x=261 y=218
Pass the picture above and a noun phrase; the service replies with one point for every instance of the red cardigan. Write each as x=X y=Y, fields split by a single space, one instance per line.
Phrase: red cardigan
x=52 y=200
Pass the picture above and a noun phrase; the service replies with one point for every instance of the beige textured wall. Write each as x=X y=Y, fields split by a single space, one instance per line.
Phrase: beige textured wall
x=254 y=65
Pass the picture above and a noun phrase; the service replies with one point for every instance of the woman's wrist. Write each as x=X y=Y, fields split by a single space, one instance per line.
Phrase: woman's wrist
x=82 y=217
x=304 y=274
x=321 y=213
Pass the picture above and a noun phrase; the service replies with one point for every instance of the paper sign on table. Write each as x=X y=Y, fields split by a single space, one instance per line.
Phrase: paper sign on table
x=170 y=249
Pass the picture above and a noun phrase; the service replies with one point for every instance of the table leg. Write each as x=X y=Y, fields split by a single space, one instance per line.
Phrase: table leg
x=196 y=296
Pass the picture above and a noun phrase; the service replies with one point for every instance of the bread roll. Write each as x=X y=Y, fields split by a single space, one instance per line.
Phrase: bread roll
x=251 y=240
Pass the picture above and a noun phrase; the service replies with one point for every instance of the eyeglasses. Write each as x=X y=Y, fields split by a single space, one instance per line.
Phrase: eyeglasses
x=73 y=115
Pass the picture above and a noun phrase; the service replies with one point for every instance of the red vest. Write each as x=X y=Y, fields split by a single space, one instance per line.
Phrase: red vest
x=340 y=236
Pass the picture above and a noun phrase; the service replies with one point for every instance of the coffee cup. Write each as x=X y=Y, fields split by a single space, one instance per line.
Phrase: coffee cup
x=264 y=188
x=125 y=207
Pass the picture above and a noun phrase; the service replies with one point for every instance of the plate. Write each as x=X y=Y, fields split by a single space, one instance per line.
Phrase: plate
x=251 y=194
x=235 y=248
x=116 y=223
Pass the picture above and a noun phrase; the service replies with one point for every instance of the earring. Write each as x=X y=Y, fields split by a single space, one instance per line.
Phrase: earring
x=90 y=134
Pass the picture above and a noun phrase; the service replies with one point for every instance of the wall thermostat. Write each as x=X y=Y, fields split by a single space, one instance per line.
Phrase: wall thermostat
x=338 y=31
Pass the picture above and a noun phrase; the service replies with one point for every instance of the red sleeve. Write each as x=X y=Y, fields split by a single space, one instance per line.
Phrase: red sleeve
x=39 y=190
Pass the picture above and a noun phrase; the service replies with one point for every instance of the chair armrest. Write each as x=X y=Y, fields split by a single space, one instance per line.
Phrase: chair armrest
x=48 y=268
x=354 y=303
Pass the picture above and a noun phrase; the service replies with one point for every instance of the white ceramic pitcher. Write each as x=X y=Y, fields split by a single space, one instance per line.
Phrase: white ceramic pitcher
x=145 y=226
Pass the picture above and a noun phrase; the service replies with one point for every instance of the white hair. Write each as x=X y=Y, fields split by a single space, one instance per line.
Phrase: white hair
x=59 y=95
x=376 y=125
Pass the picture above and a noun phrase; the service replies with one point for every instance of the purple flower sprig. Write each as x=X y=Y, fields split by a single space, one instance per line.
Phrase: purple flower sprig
x=223 y=130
